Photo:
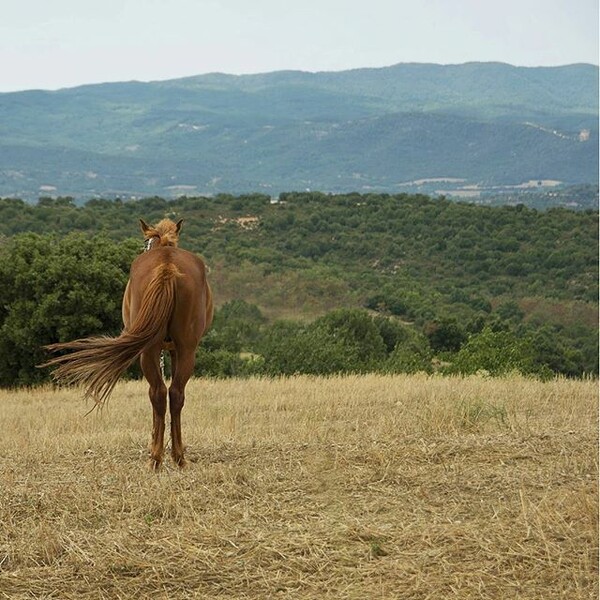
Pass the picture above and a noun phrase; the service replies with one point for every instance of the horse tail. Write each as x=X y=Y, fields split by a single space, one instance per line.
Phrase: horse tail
x=98 y=362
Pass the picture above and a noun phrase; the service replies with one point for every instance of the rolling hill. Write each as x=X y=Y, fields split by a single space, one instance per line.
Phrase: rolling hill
x=387 y=129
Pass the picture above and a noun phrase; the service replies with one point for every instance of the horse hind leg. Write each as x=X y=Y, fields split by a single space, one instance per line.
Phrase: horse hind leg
x=184 y=367
x=150 y=364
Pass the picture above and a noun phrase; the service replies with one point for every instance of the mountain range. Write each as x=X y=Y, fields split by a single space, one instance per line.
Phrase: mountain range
x=474 y=126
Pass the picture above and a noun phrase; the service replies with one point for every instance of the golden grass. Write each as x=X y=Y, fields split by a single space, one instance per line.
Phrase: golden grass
x=354 y=487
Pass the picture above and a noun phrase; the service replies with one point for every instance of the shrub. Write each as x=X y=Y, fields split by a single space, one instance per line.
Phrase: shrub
x=54 y=290
x=496 y=352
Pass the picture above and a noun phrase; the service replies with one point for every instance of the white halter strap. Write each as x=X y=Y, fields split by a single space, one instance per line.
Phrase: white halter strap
x=148 y=243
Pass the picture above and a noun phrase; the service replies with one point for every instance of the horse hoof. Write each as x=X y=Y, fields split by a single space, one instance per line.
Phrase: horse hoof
x=154 y=465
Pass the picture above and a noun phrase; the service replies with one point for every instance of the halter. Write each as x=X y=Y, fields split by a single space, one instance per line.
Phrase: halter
x=148 y=243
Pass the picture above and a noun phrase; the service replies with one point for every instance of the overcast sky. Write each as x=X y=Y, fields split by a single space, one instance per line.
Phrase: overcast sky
x=50 y=44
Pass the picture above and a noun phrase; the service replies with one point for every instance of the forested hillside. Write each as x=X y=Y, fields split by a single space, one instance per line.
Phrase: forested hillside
x=363 y=282
x=476 y=124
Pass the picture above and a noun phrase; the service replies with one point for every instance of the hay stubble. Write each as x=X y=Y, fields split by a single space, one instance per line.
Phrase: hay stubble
x=354 y=487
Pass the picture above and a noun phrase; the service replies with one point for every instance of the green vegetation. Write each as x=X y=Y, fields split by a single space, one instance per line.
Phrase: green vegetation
x=319 y=284
x=55 y=289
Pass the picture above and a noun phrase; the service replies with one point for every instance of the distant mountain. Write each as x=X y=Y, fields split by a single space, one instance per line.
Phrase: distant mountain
x=475 y=125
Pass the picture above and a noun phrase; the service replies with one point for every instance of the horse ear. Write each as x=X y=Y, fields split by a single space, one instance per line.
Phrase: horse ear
x=145 y=227
x=178 y=226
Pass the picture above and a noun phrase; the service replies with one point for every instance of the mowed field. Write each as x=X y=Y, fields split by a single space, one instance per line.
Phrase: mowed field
x=345 y=487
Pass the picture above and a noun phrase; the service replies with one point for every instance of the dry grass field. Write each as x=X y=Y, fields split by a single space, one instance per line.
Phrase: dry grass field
x=355 y=487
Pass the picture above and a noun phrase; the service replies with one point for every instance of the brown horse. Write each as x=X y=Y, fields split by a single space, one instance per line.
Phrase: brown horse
x=167 y=306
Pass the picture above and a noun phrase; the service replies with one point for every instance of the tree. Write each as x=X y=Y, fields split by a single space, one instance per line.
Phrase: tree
x=359 y=334
x=445 y=335
x=410 y=355
x=54 y=290
x=408 y=349
x=289 y=348
x=497 y=353
x=235 y=328
x=342 y=341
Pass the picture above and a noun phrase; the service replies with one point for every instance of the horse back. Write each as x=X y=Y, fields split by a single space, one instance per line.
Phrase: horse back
x=193 y=310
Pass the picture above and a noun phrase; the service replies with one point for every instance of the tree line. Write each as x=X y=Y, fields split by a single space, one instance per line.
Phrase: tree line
x=317 y=283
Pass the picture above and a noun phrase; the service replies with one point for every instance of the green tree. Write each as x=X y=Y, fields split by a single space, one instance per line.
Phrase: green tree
x=343 y=341
x=54 y=290
x=552 y=352
x=289 y=348
x=408 y=349
x=497 y=353
x=411 y=355
x=236 y=327
x=359 y=334
x=445 y=335
x=218 y=363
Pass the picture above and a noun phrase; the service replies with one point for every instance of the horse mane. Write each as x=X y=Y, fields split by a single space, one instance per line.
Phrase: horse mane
x=166 y=231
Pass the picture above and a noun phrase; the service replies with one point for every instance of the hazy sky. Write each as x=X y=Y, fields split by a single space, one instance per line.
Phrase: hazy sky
x=51 y=44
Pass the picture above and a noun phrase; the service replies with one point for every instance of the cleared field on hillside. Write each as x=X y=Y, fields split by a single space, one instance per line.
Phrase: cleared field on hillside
x=354 y=487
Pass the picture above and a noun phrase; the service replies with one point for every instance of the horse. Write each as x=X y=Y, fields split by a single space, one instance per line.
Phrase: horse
x=167 y=305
